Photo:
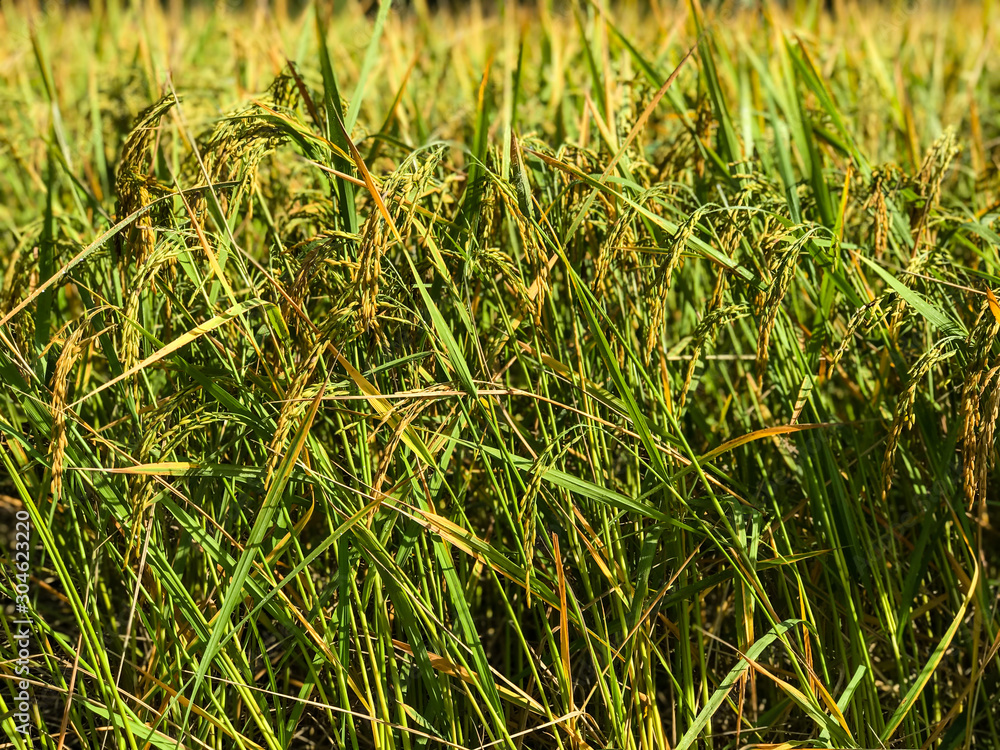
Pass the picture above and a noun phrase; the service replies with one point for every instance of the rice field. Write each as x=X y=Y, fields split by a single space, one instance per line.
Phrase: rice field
x=574 y=375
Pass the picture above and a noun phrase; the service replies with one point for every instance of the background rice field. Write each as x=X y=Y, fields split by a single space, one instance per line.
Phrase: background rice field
x=573 y=376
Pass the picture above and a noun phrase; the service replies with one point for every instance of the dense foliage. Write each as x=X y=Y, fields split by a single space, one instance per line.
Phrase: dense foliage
x=566 y=377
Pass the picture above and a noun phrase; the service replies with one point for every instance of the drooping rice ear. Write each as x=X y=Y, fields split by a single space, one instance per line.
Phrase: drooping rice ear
x=135 y=185
x=74 y=347
x=369 y=272
x=904 y=415
x=672 y=260
x=783 y=273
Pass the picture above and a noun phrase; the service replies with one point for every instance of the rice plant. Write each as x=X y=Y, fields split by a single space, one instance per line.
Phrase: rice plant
x=574 y=375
